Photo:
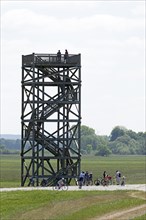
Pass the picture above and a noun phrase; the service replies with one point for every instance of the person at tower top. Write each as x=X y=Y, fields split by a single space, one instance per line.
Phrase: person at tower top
x=65 y=56
x=59 y=56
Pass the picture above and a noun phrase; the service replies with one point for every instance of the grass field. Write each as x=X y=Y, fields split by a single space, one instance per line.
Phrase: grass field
x=66 y=205
x=133 y=167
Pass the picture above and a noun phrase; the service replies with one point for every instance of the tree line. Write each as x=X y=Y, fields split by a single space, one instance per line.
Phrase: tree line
x=121 y=141
x=8 y=146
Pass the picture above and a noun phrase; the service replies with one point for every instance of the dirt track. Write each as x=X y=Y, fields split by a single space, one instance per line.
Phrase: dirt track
x=125 y=214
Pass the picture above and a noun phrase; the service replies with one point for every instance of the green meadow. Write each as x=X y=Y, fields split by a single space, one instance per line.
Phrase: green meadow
x=66 y=205
x=69 y=205
x=133 y=167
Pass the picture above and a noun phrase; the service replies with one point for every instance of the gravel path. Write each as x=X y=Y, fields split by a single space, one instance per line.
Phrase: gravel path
x=140 y=187
x=124 y=214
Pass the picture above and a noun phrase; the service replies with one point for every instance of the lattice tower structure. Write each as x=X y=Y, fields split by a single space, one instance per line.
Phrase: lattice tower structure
x=50 y=118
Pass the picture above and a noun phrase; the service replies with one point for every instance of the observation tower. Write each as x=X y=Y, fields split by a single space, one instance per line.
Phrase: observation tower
x=50 y=118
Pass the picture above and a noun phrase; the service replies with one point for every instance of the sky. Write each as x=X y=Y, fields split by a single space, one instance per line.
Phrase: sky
x=110 y=35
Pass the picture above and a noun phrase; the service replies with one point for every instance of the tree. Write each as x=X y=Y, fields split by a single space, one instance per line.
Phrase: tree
x=88 y=137
x=132 y=134
x=102 y=140
x=103 y=151
x=117 y=132
x=89 y=148
x=85 y=130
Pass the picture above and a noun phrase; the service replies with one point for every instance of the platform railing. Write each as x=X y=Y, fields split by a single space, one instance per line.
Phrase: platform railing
x=50 y=59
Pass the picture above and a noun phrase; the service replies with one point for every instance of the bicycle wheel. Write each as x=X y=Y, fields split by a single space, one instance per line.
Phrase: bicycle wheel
x=86 y=183
x=90 y=182
x=97 y=182
x=103 y=182
x=110 y=182
x=65 y=187
x=55 y=187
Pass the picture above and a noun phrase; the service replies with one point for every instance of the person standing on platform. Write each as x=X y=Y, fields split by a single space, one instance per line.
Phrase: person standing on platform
x=65 y=56
x=59 y=56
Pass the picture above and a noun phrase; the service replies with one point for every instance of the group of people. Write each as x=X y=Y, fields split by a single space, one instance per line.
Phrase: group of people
x=120 y=180
x=59 y=56
x=85 y=178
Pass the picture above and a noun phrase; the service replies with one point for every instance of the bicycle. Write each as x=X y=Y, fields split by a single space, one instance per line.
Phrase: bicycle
x=109 y=179
x=97 y=182
x=88 y=182
x=63 y=187
x=103 y=181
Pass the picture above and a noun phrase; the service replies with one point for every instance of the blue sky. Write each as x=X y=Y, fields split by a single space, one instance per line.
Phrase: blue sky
x=110 y=35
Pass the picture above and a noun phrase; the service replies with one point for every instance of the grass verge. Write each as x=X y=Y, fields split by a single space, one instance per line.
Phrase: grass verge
x=45 y=205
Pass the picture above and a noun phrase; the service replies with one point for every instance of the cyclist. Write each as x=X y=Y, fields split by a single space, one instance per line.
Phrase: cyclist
x=60 y=183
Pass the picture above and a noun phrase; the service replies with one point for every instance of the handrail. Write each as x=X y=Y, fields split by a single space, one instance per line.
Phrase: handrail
x=50 y=59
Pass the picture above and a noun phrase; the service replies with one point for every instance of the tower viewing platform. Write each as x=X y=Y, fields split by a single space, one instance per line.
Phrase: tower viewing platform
x=52 y=60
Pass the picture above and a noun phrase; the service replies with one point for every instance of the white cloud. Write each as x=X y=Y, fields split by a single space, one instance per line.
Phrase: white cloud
x=24 y=20
x=110 y=38
x=139 y=10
